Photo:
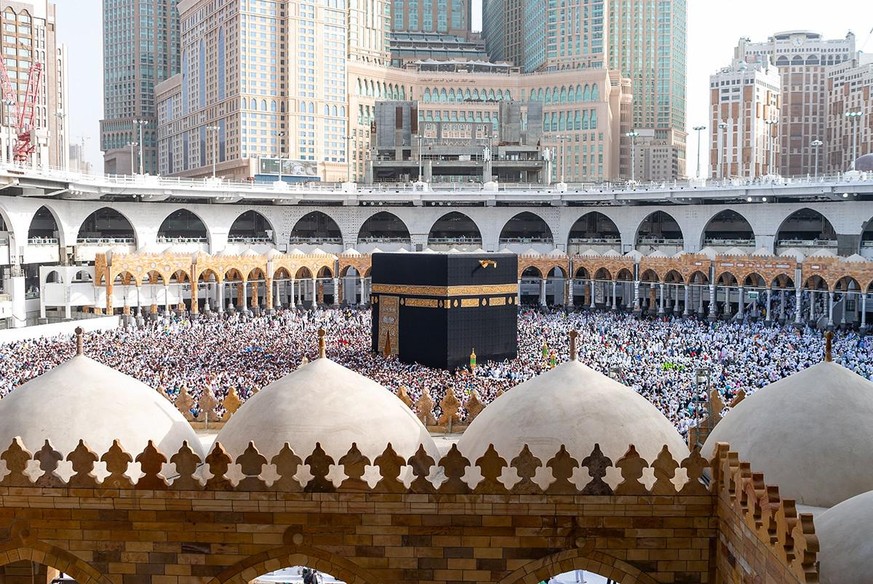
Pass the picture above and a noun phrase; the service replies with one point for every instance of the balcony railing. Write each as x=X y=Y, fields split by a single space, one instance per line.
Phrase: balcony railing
x=42 y=240
x=806 y=243
x=105 y=241
x=316 y=240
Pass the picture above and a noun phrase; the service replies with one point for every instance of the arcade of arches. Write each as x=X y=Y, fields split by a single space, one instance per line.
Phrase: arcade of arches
x=705 y=284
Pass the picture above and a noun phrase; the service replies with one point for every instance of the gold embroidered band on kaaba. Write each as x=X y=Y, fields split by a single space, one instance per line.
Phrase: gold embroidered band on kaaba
x=445 y=291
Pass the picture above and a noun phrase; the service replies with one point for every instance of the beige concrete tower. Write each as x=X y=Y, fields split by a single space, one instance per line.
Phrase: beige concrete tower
x=802 y=58
x=29 y=38
x=744 y=116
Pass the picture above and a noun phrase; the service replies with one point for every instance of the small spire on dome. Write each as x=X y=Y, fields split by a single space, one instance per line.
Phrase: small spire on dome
x=322 y=351
x=80 y=341
x=573 y=334
x=829 y=339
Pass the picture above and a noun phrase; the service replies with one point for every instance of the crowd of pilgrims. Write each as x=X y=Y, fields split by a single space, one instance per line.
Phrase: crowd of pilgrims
x=657 y=357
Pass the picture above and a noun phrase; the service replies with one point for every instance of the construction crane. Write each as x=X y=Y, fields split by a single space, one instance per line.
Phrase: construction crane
x=22 y=115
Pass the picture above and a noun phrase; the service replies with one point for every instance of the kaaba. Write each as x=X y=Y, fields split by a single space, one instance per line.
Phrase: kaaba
x=437 y=308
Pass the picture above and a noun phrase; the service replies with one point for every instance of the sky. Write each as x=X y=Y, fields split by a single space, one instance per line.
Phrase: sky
x=713 y=30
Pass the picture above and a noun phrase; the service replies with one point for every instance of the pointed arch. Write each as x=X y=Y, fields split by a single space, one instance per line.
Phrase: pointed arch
x=602 y=273
x=107 y=225
x=251 y=227
x=43 y=227
x=531 y=272
x=754 y=280
x=728 y=228
x=49 y=555
x=183 y=224
x=316 y=228
x=698 y=277
x=337 y=566
x=455 y=228
x=526 y=227
x=577 y=559
x=384 y=227
x=806 y=228
x=659 y=228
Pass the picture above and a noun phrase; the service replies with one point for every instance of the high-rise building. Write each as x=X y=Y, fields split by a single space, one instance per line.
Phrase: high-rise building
x=504 y=28
x=744 y=115
x=644 y=40
x=849 y=133
x=452 y=17
x=296 y=86
x=545 y=35
x=802 y=58
x=266 y=80
x=140 y=49
x=28 y=44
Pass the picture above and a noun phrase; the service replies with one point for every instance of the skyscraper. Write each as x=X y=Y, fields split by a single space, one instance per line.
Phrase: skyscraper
x=29 y=39
x=802 y=58
x=744 y=114
x=548 y=35
x=266 y=80
x=441 y=16
x=645 y=40
x=140 y=49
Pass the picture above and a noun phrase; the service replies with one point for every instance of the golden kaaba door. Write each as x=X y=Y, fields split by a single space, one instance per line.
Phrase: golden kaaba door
x=389 y=327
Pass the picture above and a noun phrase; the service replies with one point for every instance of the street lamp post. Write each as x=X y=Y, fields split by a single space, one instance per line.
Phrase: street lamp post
x=854 y=118
x=140 y=123
x=280 y=136
x=722 y=126
x=698 y=129
x=816 y=144
x=633 y=136
x=214 y=130
x=132 y=146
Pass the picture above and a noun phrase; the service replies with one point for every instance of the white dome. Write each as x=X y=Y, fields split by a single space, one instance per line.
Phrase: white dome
x=576 y=406
x=811 y=434
x=325 y=402
x=845 y=534
x=84 y=399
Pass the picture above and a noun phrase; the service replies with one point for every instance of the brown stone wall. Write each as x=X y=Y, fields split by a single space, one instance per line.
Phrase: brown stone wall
x=762 y=538
x=216 y=529
x=142 y=537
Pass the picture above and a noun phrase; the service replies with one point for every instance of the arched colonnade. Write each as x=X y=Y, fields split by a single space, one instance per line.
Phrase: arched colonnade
x=821 y=286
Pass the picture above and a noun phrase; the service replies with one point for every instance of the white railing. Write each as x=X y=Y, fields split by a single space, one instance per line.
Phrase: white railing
x=807 y=243
x=595 y=240
x=525 y=240
x=316 y=240
x=250 y=240
x=165 y=239
x=42 y=240
x=730 y=242
x=659 y=241
x=105 y=240
x=384 y=240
